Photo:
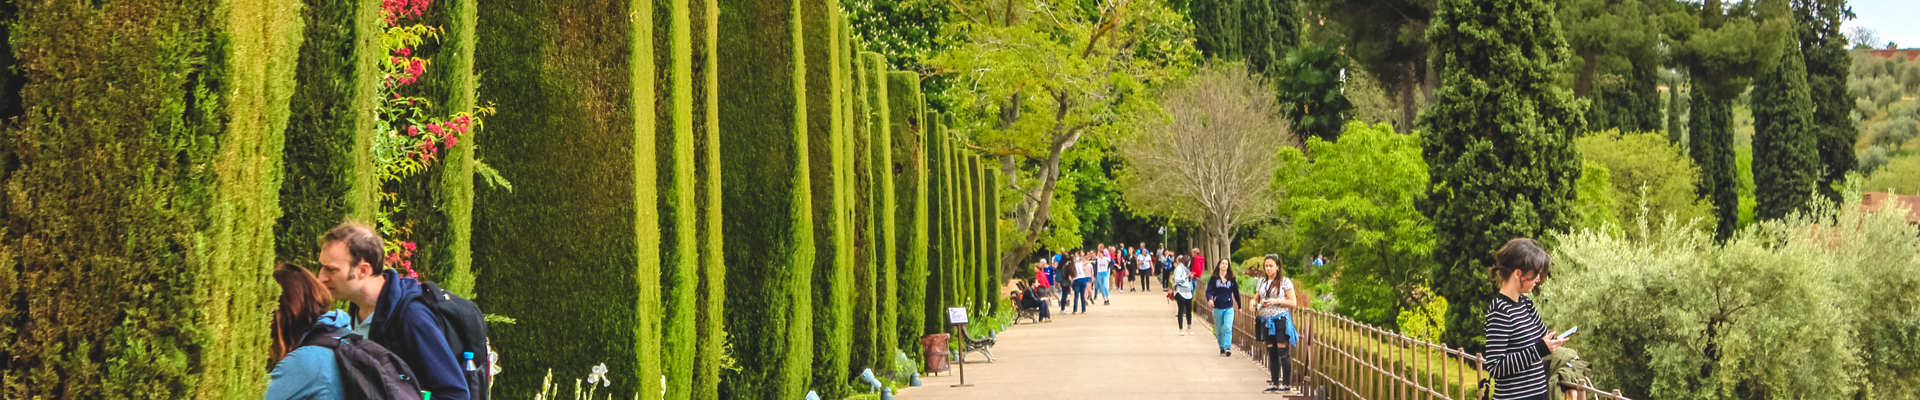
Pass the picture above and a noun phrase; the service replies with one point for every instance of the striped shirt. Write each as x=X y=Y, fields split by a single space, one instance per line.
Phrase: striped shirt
x=1515 y=350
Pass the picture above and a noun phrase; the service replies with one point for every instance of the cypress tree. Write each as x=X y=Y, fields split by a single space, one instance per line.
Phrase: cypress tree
x=679 y=211
x=1710 y=143
x=885 y=256
x=1783 y=136
x=977 y=270
x=1499 y=144
x=1216 y=27
x=910 y=182
x=1828 y=68
x=711 y=333
x=327 y=177
x=992 y=221
x=450 y=248
x=599 y=292
x=939 y=242
x=764 y=172
x=867 y=322
x=828 y=169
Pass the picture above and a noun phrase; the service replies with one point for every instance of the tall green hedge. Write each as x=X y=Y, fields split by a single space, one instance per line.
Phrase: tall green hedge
x=327 y=174
x=939 y=242
x=982 y=287
x=992 y=220
x=679 y=212
x=909 y=174
x=829 y=167
x=866 y=325
x=711 y=333
x=571 y=252
x=764 y=173
x=452 y=246
x=963 y=248
x=885 y=236
x=143 y=171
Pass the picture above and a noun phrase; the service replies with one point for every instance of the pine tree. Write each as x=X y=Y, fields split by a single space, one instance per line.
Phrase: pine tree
x=1828 y=68
x=1499 y=144
x=1783 y=137
x=1216 y=27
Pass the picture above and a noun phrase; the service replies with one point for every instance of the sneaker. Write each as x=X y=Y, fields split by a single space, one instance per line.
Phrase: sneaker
x=1272 y=389
x=1106 y=302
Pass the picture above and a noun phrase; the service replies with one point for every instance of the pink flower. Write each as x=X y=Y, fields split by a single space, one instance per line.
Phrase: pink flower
x=413 y=131
x=408 y=245
x=452 y=140
x=404 y=52
x=463 y=120
x=435 y=128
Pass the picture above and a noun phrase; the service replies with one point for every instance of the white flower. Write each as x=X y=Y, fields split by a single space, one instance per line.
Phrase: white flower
x=599 y=376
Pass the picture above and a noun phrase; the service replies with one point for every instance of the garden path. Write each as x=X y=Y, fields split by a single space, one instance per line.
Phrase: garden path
x=1128 y=350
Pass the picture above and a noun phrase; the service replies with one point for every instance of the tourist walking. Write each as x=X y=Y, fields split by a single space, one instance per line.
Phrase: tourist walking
x=303 y=372
x=1182 y=297
x=1223 y=292
x=1082 y=275
x=1199 y=262
x=1517 y=343
x=1103 y=274
x=1274 y=301
x=1143 y=263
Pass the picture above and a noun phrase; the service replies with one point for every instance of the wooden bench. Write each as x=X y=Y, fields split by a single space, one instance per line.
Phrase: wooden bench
x=971 y=345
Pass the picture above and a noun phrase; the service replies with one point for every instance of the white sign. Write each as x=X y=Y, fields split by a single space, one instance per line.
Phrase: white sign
x=956 y=315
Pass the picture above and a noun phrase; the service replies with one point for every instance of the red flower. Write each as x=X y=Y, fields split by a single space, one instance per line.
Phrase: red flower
x=404 y=52
x=463 y=120
x=408 y=245
x=452 y=140
x=413 y=131
x=435 y=128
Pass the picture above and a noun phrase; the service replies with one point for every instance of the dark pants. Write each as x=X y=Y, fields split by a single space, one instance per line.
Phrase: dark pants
x=1279 y=359
x=1146 y=279
x=1185 y=313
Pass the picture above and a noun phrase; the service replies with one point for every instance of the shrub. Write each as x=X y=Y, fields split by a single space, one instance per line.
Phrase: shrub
x=1900 y=175
x=1815 y=305
x=325 y=176
x=1647 y=164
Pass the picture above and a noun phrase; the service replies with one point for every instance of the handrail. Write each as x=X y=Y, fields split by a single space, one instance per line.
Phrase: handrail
x=1340 y=358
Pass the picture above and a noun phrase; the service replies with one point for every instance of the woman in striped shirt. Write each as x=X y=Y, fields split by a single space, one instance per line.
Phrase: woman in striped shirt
x=1517 y=343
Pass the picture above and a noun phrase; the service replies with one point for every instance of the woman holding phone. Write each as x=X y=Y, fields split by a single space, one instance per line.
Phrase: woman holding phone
x=1517 y=343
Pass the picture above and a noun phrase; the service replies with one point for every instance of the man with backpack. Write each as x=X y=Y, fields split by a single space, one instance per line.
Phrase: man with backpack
x=390 y=309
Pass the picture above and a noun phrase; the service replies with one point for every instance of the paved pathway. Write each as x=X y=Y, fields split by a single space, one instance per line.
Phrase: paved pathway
x=1128 y=350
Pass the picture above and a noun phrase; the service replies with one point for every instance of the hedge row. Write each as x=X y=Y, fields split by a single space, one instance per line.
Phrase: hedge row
x=572 y=251
x=144 y=169
x=866 y=348
x=829 y=168
x=910 y=182
x=327 y=177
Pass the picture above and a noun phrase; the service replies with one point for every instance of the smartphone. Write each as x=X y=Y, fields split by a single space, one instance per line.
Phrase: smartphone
x=1569 y=332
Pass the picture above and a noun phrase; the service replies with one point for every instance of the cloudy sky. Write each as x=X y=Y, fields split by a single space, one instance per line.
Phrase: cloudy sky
x=1895 y=21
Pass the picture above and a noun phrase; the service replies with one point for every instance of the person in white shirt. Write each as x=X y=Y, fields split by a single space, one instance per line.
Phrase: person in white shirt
x=1103 y=275
x=1144 y=262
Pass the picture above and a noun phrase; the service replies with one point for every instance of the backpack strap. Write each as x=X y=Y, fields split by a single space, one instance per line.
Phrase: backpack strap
x=323 y=336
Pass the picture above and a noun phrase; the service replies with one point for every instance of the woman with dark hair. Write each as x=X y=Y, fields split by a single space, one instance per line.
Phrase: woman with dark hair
x=1517 y=343
x=1223 y=290
x=1182 y=298
x=309 y=372
x=1274 y=302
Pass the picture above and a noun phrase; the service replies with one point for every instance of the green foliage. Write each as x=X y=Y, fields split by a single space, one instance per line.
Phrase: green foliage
x=1499 y=139
x=870 y=114
x=907 y=32
x=1216 y=27
x=1308 y=79
x=765 y=171
x=829 y=150
x=323 y=173
x=1676 y=316
x=1595 y=206
x=886 y=247
x=909 y=174
x=679 y=211
x=1426 y=322
x=142 y=171
x=1354 y=202
x=1710 y=144
x=713 y=353
x=453 y=197
x=1784 y=136
x=1901 y=176
x=1645 y=170
x=1828 y=68
x=596 y=294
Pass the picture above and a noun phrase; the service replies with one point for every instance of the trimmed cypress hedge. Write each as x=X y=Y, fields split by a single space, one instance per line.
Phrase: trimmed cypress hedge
x=452 y=247
x=327 y=176
x=957 y=231
x=571 y=251
x=148 y=142
x=829 y=166
x=679 y=213
x=934 y=303
x=764 y=173
x=866 y=324
x=992 y=220
x=966 y=169
x=885 y=239
x=711 y=333
x=982 y=288
x=910 y=181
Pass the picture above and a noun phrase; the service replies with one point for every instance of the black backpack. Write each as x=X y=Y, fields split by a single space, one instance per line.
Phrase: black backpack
x=367 y=370
x=466 y=330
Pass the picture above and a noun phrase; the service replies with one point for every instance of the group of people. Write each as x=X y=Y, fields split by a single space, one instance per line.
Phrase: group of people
x=383 y=307
x=1075 y=279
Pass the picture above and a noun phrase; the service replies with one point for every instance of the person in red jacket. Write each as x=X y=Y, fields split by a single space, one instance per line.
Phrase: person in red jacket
x=1199 y=263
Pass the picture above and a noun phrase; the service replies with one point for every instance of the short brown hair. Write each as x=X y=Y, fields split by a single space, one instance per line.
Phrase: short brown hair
x=302 y=301
x=362 y=242
x=1521 y=254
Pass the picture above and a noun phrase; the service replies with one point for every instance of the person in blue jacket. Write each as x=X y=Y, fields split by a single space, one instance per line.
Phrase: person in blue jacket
x=310 y=372
x=386 y=308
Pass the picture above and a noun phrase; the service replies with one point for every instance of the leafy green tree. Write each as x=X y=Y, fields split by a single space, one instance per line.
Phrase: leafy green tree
x=1645 y=170
x=1596 y=204
x=1899 y=176
x=1388 y=39
x=1310 y=87
x=1355 y=201
x=1216 y=27
x=1784 y=136
x=1616 y=42
x=1499 y=145
x=1723 y=48
x=1050 y=92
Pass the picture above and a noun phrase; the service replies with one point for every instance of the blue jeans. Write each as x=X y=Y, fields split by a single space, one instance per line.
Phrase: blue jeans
x=1103 y=280
x=1223 y=327
x=1080 y=294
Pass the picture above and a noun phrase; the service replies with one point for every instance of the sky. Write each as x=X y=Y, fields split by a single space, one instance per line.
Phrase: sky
x=1895 y=21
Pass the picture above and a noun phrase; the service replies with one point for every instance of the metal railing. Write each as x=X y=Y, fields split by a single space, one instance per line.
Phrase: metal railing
x=1339 y=358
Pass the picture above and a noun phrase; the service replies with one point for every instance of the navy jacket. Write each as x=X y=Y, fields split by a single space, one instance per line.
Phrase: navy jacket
x=407 y=327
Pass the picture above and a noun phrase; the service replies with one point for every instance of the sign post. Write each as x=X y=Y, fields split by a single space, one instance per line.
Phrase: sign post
x=957 y=318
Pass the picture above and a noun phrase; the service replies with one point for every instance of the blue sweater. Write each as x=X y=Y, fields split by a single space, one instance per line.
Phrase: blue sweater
x=309 y=373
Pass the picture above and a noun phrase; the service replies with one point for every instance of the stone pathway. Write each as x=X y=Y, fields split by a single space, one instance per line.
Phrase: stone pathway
x=1128 y=350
